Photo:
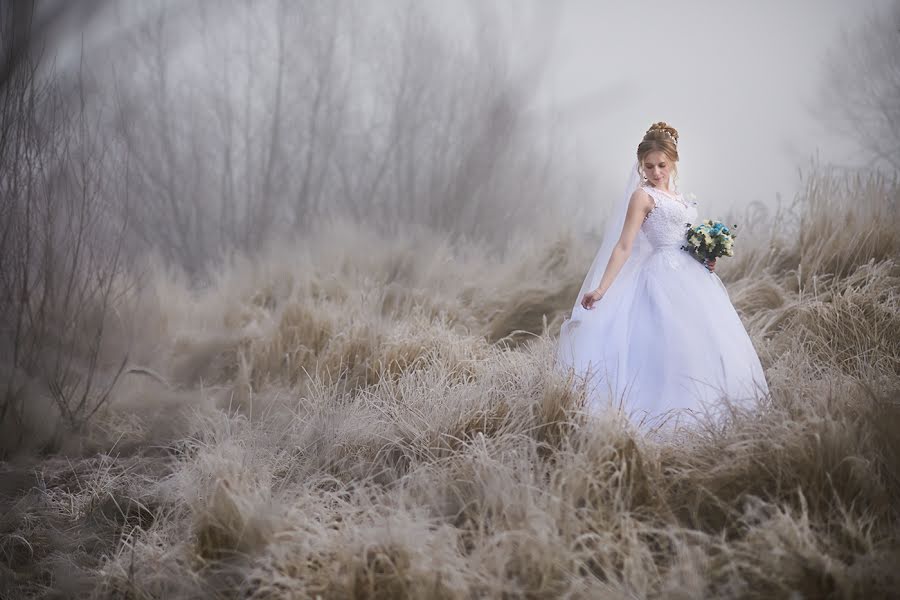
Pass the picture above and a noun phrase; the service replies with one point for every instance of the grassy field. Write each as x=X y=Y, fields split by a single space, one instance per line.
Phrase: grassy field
x=352 y=416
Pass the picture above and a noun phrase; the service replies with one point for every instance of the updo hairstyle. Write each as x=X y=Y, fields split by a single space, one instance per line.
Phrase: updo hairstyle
x=663 y=137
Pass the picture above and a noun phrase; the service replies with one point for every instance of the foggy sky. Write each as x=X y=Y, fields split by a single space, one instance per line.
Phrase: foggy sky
x=738 y=80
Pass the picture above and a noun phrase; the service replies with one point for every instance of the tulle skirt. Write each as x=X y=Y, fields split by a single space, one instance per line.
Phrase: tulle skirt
x=663 y=342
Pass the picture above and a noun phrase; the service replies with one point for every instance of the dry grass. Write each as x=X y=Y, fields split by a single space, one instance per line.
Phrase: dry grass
x=358 y=417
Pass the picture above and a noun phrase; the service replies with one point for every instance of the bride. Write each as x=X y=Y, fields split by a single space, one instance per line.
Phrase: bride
x=653 y=330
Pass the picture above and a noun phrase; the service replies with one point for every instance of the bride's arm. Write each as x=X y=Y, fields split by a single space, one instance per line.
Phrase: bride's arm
x=639 y=206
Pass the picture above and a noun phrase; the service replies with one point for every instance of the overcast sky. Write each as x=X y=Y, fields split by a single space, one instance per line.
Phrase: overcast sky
x=738 y=80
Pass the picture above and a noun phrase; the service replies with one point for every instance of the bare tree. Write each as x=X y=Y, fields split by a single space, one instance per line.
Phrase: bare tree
x=60 y=260
x=861 y=96
x=24 y=22
x=282 y=114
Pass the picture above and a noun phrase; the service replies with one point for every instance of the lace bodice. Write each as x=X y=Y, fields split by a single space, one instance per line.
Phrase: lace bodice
x=665 y=225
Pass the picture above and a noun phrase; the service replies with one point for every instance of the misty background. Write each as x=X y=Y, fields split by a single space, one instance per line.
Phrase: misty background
x=745 y=84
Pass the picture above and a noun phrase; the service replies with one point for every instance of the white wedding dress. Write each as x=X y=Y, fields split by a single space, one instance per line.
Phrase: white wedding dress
x=665 y=340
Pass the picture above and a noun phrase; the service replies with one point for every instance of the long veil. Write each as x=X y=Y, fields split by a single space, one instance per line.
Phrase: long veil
x=584 y=343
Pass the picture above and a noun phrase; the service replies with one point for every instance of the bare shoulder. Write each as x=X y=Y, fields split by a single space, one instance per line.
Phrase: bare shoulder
x=640 y=193
x=641 y=199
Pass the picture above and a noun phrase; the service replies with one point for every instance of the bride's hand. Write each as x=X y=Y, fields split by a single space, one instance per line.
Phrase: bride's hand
x=711 y=265
x=588 y=300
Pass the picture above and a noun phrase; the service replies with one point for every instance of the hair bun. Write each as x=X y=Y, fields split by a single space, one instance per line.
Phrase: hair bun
x=665 y=128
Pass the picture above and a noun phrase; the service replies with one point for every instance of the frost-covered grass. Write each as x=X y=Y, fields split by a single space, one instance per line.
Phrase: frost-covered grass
x=358 y=417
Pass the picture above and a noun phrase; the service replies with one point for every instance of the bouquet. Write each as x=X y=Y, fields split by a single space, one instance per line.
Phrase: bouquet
x=709 y=240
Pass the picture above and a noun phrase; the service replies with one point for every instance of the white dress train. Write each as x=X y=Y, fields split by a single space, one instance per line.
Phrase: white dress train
x=664 y=340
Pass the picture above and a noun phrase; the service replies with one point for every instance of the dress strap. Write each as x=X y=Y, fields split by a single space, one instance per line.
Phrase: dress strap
x=657 y=194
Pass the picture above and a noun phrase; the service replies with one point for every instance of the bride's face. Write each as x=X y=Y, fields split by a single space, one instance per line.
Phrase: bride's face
x=657 y=168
